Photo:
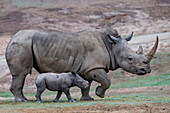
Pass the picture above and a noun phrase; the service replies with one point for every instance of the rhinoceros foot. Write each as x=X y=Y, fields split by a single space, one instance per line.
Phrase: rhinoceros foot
x=20 y=100
x=86 y=98
x=100 y=92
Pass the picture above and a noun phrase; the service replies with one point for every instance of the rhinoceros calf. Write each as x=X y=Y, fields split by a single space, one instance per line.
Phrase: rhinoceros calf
x=58 y=82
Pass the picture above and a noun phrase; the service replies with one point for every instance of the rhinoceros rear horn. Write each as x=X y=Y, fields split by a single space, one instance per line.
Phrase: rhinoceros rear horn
x=140 y=50
x=152 y=52
x=129 y=37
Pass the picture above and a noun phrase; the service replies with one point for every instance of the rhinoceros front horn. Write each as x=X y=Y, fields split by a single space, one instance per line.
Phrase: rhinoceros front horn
x=152 y=52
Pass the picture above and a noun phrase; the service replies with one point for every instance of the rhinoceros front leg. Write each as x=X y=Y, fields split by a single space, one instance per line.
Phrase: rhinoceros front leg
x=85 y=93
x=100 y=75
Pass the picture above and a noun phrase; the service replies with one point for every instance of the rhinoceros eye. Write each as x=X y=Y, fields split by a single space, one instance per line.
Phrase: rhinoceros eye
x=130 y=58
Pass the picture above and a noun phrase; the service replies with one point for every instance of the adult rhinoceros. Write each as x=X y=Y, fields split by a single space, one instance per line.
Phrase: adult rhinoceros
x=92 y=53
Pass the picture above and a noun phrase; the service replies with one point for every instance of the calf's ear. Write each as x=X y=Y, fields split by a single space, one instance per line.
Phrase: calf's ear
x=73 y=73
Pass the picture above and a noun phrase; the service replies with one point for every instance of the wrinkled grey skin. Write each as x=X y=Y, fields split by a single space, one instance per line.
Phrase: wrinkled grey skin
x=92 y=53
x=59 y=82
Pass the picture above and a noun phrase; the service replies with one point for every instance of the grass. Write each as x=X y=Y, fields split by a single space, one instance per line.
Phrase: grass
x=115 y=99
x=140 y=98
x=162 y=58
x=6 y=94
x=154 y=80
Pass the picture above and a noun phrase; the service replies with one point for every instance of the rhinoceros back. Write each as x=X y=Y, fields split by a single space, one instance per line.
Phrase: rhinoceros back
x=64 y=52
x=57 y=52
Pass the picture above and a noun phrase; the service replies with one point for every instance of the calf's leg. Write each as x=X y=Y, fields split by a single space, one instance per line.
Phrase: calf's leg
x=85 y=93
x=58 y=96
x=67 y=92
x=40 y=88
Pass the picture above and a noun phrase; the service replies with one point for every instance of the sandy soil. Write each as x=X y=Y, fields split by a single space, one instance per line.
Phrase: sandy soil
x=141 y=16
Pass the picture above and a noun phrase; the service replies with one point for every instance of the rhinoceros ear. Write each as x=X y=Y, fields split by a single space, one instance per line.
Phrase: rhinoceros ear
x=129 y=37
x=112 y=39
x=140 y=50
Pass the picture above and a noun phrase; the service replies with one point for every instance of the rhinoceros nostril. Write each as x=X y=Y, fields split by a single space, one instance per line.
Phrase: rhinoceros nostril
x=142 y=69
x=149 y=71
x=145 y=62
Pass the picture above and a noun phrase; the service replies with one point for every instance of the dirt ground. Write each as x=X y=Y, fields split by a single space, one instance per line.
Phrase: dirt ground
x=121 y=109
x=102 y=108
x=141 y=16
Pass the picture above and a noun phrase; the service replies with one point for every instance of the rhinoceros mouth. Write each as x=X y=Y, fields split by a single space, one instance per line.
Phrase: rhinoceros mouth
x=141 y=71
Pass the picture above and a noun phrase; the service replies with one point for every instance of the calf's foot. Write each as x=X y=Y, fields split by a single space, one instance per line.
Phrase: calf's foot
x=55 y=100
x=71 y=100
x=38 y=101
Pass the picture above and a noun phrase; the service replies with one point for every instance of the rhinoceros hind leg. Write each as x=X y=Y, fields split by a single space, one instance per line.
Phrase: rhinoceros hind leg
x=40 y=90
x=85 y=93
x=58 y=96
x=17 y=86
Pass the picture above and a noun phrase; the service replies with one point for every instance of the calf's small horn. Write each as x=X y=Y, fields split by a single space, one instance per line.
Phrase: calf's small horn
x=129 y=37
x=152 y=52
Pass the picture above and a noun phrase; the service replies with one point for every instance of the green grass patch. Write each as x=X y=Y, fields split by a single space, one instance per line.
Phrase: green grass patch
x=162 y=58
x=6 y=94
x=154 y=80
